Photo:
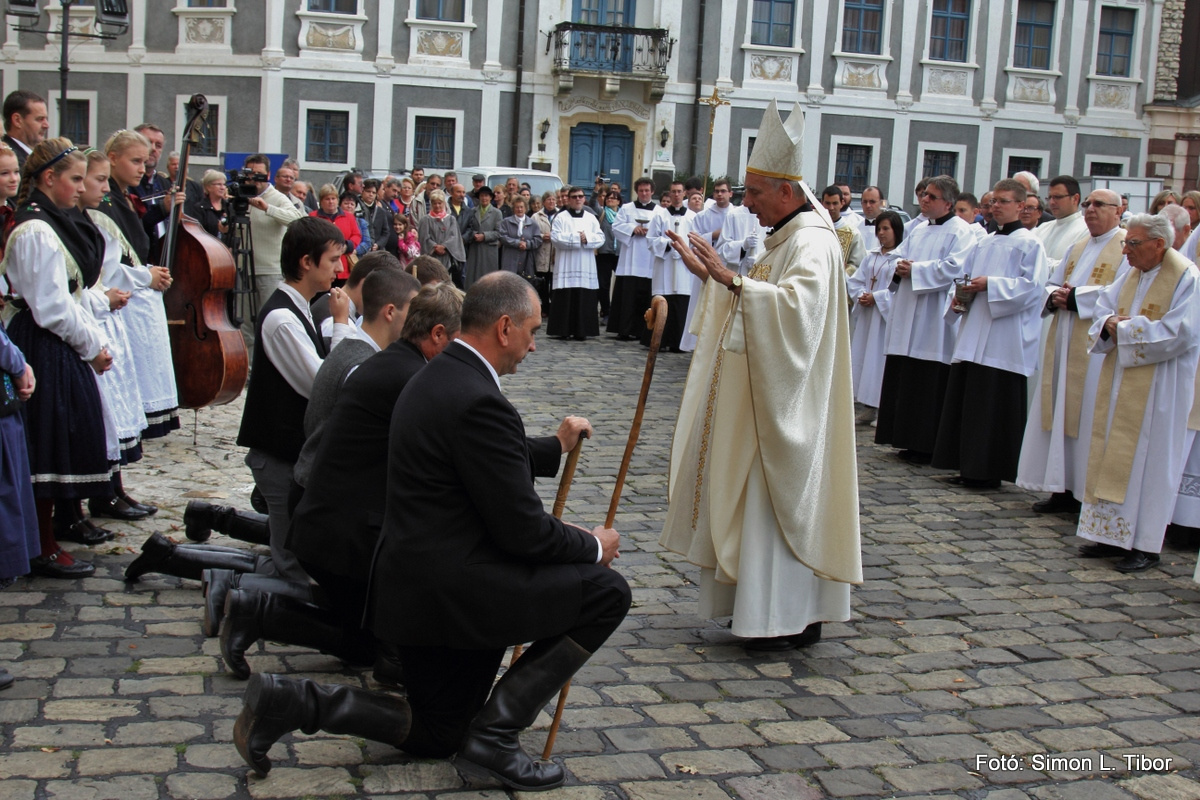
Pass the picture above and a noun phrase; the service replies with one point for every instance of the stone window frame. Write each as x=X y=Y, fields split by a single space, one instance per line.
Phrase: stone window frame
x=304 y=107
x=946 y=147
x=222 y=103
x=410 y=130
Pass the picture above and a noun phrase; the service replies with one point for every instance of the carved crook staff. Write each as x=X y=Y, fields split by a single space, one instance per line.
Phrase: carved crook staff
x=656 y=318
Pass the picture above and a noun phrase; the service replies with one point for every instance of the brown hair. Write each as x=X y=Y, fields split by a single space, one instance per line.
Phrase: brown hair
x=52 y=155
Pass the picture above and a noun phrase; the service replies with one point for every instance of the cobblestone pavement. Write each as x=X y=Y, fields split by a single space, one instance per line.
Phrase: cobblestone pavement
x=980 y=648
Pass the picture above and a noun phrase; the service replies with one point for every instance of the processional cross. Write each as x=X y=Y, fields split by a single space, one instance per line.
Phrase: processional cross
x=713 y=102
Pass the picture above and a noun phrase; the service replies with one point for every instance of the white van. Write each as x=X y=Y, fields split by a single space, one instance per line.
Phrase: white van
x=539 y=182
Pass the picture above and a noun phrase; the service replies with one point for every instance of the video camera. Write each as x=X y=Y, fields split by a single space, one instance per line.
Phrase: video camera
x=240 y=186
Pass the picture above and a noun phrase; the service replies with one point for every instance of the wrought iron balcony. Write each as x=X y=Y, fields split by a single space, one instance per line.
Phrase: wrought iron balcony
x=611 y=50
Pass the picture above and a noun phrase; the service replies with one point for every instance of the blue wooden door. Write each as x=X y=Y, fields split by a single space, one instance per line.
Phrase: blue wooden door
x=605 y=52
x=605 y=150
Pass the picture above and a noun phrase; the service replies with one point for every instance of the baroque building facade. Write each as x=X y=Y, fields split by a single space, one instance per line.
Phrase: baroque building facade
x=890 y=90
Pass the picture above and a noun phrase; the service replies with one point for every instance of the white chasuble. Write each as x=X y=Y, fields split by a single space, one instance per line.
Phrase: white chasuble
x=768 y=397
x=1164 y=339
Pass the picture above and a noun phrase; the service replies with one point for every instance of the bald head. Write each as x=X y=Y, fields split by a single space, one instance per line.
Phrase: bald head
x=1102 y=211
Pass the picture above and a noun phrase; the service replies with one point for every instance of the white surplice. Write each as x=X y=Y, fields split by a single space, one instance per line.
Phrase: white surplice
x=670 y=276
x=709 y=221
x=1001 y=327
x=575 y=260
x=741 y=240
x=1051 y=461
x=636 y=258
x=1173 y=343
x=768 y=395
x=869 y=324
x=867 y=232
x=1058 y=236
x=917 y=327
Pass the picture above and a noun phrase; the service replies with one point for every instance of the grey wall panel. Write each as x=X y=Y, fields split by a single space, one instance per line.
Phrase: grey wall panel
x=967 y=135
x=249 y=29
x=1026 y=140
x=840 y=125
x=468 y=100
x=241 y=115
x=1121 y=147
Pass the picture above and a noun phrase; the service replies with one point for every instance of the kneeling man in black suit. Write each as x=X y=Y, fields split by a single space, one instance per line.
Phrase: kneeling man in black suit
x=469 y=563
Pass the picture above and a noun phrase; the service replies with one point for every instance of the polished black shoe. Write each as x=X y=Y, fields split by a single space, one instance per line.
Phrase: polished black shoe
x=1136 y=561
x=1101 y=550
x=60 y=564
x=81 y=531
x=780 y=644
x=6 y=679
x=149 y=509
x=915 y=456
x=1058 y=503
x=116 y=508
x=972 y=483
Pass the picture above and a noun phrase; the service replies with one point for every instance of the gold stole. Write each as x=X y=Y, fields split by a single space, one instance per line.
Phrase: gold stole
x=1077 y=348
x=846 y=237
x=1110 y=462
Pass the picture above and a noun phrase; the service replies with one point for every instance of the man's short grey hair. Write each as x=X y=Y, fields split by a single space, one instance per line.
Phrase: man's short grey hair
x=1177 y=217
x=436 y=304
x=1035 y=185
x=947 y=186
x=496 y=295
x=1155 y=226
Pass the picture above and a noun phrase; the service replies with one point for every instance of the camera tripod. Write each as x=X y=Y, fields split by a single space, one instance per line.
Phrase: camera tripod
x=244 y=298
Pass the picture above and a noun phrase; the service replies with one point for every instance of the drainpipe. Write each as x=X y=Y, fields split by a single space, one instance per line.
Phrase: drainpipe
x=696 y=100
x=520 y=75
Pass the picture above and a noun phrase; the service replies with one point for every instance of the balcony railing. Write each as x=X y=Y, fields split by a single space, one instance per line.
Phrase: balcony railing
x=611 y=49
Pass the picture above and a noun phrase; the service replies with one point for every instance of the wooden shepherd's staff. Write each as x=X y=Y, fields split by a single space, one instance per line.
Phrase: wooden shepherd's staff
x=656 y=318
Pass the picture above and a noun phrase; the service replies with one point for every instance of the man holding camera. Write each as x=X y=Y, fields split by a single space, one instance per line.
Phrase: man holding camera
x=271 y=212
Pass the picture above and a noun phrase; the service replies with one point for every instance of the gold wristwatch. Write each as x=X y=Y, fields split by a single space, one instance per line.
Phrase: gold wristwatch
x=736 y=283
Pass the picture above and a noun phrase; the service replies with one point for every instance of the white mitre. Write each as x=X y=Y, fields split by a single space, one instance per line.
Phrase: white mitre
x=779 y=151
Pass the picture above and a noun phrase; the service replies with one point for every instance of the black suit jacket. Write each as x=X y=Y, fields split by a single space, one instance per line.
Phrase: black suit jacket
x=468 y=557
x=17 y=148
x=337 y=522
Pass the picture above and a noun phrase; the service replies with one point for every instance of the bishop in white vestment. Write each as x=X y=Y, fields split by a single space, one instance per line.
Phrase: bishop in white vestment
x=1054 y=449
x=1147 y=325
x=767 y=397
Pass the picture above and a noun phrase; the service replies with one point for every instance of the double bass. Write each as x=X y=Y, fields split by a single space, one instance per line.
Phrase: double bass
x=209 y=353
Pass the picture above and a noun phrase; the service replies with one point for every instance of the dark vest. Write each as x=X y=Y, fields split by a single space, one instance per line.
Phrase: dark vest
x=273 y=417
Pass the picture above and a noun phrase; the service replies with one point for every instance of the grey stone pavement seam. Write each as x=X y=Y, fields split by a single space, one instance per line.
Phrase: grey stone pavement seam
x=983 y=658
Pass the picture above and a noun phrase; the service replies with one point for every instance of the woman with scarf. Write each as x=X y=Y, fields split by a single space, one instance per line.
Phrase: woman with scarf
x=51 y=261
x=440 y=236
x=329 y=208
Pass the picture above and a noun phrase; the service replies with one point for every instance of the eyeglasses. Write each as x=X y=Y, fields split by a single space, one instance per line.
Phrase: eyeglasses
x=1097 y=204
x=1132 y=243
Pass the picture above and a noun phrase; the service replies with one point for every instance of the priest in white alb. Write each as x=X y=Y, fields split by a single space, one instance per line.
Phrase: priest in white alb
x=671 y=277
x=920 y=340
x=1058 y=434
x=767 y=398
x=995 y=351
x=1147 y=325
x=1068 y=226
x=577 y=236
x=635 y=264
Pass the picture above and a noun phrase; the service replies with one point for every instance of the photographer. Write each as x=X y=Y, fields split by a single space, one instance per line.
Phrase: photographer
x=270 y=214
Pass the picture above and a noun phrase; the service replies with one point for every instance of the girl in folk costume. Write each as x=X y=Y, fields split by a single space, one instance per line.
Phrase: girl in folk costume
x=125 y=414
x=145 y=315
x=51 y=261
x=871 y=303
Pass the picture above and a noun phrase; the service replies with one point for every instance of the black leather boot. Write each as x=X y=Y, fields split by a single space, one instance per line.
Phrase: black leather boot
x=160 y=554
x=200 y=519
x=217 y=584
x=250 y=616
x=491 y=747
x=275 y=705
